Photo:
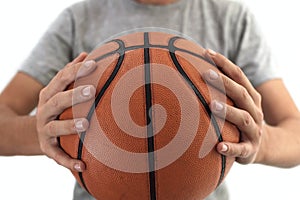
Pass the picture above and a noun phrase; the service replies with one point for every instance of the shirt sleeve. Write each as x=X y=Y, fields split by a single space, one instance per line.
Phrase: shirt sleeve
x=53 y=51
x=252 y=51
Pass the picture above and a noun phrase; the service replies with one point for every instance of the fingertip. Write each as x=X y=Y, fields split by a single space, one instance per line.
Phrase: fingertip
x=86 y=68
x=211 y=52
x=211 y=75
x=83 y=53
x=222 y=148
x=80 y=57
x=79 y=166
x=89 y=64
x=81 y=124
x=217 y=106
x=88 y=91
x=85 y=123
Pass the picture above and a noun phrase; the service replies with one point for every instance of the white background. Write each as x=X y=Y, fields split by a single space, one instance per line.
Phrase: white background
x=23 y=22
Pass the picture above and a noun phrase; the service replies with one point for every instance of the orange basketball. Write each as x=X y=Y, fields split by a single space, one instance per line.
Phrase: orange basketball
x=152 y=134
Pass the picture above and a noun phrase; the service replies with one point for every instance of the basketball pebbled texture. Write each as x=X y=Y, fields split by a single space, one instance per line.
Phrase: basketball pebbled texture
x=152 y=134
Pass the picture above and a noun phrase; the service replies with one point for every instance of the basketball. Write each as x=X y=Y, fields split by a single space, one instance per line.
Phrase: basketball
x=152 y=135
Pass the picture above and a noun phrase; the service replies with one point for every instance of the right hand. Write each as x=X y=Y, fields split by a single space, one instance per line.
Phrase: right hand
x=53 y=100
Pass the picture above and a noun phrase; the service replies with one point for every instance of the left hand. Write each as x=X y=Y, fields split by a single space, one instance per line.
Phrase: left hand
x=247 y=113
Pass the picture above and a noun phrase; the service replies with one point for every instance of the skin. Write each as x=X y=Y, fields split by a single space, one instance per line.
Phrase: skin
x=261 y=142
x=266 y=132
x=266 y=115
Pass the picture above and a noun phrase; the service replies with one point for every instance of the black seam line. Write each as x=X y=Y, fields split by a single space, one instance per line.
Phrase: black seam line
x=154 y=46
x=202 y=100
x=150 y=138
x=222 y=170
x=106 y=55
x=121 y=51
x=167 y=47
x=97 y=100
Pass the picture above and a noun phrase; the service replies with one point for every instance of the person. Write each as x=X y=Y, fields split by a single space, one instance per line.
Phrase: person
x=265 y=113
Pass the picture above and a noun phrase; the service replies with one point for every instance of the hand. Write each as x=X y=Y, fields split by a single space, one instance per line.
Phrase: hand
x=53 y=100
x=247 y=114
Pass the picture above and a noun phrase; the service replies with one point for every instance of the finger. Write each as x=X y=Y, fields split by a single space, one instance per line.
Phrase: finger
x=58 y=128
x=57 y=154
x=236 y=92
x=238 y=117
x=79 y=58
x=243 y=151
x=65 y=77
x=235 y=73
x=63 y=100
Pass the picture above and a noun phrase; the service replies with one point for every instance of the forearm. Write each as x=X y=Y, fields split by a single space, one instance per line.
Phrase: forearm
x=18 y=134
x=281 y=144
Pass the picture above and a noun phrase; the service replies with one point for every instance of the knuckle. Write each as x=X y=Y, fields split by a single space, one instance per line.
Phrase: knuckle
x=244 y=152
x=260 y=133
x=58 y=158
x=238 y=74
x=54 y=102
x=228 y=111
x=246 y=119
x=69 y=65
x=51 y=127
x=65 y=76
x=66 y=98
x=244 y=93
x=222 y=61
x=62 y=160
x=43 y=95
x=63 y=100
x=226 y=82
x=67 y=79
x=69 y=126
x=260 y=116
x=257 y=98
x=73 y=69
x=60 y=74
x=70 y=94
x=226 y=62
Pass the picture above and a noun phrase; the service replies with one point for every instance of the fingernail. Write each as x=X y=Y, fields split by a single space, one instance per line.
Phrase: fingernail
x=88 y=64
x=79 y=125
x=86 y=68
x=77 y=167
x=211 y=52
x=86 y=91
x=224 y=148
x=218 y=106
x=213 y=75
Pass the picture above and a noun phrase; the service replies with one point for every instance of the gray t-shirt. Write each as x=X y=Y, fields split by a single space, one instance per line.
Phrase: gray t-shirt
x=225 y=26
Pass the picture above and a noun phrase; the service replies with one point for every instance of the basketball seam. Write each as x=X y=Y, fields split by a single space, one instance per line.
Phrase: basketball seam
x=150 y=135
x=121 y=52
x=172 y=50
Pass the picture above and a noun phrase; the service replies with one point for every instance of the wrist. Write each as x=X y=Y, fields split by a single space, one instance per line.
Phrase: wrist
x=260 y=157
